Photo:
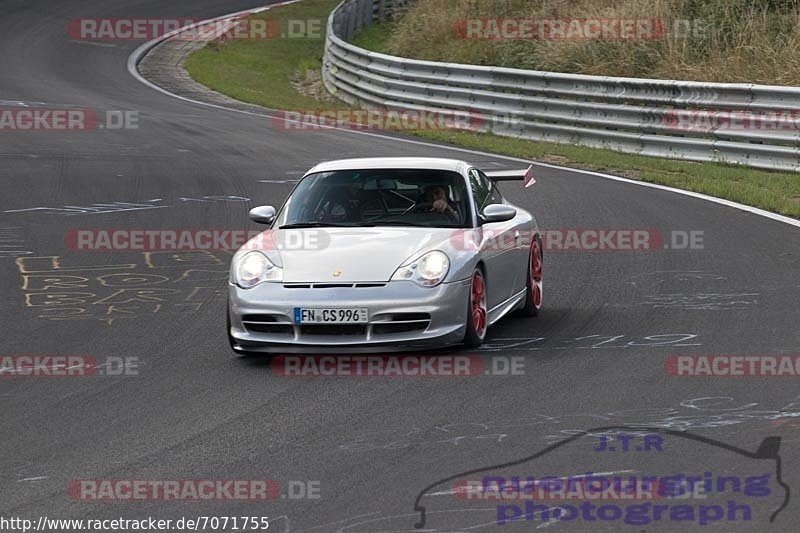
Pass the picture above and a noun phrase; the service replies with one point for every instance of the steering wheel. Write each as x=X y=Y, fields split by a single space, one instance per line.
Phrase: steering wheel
x=422 y=207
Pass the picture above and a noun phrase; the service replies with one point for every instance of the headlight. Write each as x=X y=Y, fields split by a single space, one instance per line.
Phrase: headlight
x=254 y=268
x=428 y=270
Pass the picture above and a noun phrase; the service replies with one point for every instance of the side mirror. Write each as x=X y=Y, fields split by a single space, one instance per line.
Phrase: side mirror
x=497 y=213
x=263 y=214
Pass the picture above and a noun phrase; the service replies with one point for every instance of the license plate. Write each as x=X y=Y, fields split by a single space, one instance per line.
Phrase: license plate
x=331 y=315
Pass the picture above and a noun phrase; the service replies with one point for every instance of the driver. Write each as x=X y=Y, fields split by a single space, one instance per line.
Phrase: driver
x=342 y=205
x=437 y=195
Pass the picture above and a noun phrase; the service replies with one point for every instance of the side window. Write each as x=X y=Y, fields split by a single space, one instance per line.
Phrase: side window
x=497 y=198
x=481 y=188
x=494 y=194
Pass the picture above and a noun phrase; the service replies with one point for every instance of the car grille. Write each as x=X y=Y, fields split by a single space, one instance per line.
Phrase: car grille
x=384 y=329
x=331 y=285
x=267 y=324
x=271 y=329
x=260 y=318
x=401 y=323
x=358 y=330
x=395 y=323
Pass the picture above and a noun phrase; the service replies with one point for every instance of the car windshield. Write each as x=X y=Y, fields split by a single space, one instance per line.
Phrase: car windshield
x=378 y=197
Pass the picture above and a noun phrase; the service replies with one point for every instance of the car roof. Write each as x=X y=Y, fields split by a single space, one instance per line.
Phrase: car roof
x=427 y=163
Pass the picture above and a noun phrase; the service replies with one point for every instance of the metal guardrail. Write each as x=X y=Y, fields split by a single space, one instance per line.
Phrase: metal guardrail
x=631 y=115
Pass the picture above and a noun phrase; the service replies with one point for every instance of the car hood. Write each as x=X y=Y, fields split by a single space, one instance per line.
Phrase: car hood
x=356 y=254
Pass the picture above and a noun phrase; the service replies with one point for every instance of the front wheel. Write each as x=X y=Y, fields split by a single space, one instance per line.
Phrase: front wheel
x=533 y=285
x=477 y=315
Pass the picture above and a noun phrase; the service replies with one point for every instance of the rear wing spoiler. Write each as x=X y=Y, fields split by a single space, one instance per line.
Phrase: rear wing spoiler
x=526 y=176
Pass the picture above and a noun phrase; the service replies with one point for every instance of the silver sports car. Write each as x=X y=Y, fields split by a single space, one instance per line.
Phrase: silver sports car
x=385 y=254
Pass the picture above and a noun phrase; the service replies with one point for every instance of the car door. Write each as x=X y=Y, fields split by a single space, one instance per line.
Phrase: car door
x=519 y=251
x=498 y=241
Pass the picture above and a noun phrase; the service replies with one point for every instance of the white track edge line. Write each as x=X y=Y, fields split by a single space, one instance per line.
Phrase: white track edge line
x=141 y=51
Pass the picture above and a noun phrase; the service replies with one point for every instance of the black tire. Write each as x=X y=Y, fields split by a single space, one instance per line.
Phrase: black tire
x=473 y=337
x=531 y=308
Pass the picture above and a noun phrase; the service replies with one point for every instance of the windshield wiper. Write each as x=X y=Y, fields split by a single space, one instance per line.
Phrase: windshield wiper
x=318 y=225
x=401 y=223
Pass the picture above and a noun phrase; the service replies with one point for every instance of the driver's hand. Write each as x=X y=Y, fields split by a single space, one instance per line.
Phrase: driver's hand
x=440 y=206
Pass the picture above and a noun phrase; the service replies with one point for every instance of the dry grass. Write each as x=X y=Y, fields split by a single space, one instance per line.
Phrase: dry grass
x=755 y=41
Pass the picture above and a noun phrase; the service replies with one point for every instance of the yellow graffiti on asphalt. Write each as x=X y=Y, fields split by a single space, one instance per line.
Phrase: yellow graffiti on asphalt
x=178 y=281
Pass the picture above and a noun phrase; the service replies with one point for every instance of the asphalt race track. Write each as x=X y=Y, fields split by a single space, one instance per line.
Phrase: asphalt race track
x=594 y=358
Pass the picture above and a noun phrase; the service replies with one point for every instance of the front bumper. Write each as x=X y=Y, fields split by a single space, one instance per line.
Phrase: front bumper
x=402 y=316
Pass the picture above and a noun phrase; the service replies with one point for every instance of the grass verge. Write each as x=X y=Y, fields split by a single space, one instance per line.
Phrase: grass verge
x=748 y=41
x=284 y=74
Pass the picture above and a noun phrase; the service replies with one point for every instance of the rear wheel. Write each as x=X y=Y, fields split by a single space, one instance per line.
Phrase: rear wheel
x=533 y=293
x=477 y=315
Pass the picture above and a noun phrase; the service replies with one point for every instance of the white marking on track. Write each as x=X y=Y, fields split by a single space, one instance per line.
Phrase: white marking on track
x=343 y=521
x=92 y=43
